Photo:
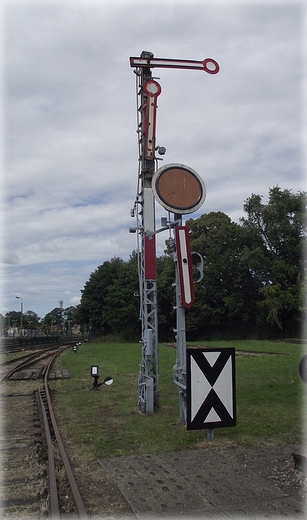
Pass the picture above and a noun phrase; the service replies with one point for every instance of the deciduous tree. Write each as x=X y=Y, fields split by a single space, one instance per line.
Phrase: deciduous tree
x=278 y=228
x=226 y=297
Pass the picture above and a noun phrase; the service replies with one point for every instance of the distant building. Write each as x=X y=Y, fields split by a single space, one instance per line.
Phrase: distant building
x=75 y=329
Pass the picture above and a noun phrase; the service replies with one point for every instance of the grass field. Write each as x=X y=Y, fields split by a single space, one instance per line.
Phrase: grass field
x=106 y=422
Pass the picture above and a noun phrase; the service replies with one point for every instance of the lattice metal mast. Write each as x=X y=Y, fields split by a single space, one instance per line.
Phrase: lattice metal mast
x=148 y=92
x=148 y=381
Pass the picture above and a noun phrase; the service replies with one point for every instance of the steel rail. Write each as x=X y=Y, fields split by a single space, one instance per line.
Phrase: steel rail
x=30 y=360
x=53 y=493
x=14 y=360
x=53 y=490
x=7 y=346
x=71 y=478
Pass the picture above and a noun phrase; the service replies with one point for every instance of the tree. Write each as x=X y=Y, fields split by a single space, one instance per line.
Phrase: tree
x=278 y=229
x=31 y=320
x=13 y=317
x=69 y=314
x=96 y=296
x=254 y=277
x=121 y=309
x=54 y=318
x=225 y=299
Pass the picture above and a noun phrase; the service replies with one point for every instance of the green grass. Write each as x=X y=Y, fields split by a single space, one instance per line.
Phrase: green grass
x=107 y=422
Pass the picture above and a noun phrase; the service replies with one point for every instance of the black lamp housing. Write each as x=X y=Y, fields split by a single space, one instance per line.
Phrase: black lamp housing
x=95 y=374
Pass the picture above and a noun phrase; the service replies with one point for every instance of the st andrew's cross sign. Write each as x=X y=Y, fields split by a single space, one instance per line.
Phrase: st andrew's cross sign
x=211 y=397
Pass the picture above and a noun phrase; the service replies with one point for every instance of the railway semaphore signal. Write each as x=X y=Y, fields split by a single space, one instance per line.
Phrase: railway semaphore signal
x=182 y=201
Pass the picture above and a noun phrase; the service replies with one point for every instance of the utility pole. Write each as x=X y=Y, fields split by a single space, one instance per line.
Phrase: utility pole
x=61 y=315
x=144 y=209
x=21 y=311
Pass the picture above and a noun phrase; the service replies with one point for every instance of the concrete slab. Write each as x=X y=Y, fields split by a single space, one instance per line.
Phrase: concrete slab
x=197 y=483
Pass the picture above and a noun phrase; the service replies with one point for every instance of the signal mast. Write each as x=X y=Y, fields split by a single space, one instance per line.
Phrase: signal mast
x=148 y=90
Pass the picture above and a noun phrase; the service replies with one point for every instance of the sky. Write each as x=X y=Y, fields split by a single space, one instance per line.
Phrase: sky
x=69 y=116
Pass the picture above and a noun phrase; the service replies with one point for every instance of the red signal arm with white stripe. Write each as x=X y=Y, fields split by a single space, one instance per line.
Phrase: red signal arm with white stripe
x=183 y=249
x=208 y=65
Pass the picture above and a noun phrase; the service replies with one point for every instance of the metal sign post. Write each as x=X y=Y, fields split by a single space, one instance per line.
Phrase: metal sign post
x=184 y=299
x=180 y=189
x=144 y=209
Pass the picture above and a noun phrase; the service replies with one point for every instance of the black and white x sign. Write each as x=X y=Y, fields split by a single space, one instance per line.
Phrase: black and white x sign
x=211 y=398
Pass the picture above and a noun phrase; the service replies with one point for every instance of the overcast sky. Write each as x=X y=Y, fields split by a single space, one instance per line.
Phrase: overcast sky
x=70 y=154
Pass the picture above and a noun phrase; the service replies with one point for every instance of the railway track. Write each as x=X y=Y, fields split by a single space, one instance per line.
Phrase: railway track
x=22 y=344
x=37 y=478
x=30 y=365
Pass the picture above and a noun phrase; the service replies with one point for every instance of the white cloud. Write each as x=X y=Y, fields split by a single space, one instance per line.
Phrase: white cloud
x=70 y=142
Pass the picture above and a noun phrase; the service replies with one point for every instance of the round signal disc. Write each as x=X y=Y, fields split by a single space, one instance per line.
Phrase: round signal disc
x=178 y=188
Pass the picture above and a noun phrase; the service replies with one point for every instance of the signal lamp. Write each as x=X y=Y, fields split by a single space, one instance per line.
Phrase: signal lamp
x=197 y=266
x=95 y=374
